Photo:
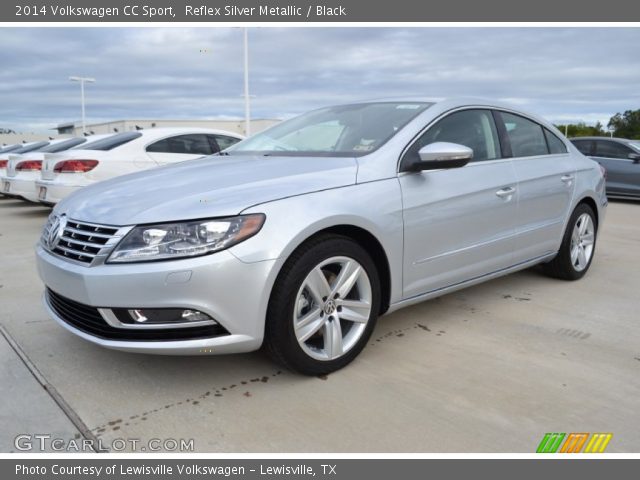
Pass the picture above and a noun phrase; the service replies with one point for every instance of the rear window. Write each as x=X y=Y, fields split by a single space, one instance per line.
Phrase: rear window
x=62 y=146
x=112 y=142
x=9 y=148
x=32 y=147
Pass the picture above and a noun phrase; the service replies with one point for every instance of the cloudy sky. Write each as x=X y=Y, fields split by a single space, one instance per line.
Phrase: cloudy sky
x=564 y=74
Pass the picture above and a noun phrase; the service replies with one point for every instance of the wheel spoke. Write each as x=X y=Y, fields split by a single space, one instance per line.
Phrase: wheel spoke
x=582 y=257
x=587 y=239
x=347 y=279
x=575 y=236
x=333 y=339
x=308 y=325
x=574 y=254
x=354 y=310
x=317 y=285
x=584 y=224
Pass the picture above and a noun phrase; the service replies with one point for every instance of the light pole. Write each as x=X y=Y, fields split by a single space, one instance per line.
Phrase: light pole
x=82 y=81
x=247 y=113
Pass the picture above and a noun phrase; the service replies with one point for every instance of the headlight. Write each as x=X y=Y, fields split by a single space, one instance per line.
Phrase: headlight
x=185 y=239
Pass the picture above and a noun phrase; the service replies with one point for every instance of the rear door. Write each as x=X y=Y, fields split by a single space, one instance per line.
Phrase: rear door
x=545 y=174
x=459 y=223
x=179 y=148
x=623 y=174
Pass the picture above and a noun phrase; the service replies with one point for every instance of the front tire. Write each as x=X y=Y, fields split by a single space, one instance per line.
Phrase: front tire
x=577 y=248
x=323 y=307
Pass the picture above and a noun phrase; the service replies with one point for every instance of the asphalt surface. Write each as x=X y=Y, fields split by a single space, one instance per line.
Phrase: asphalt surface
x=488 y=369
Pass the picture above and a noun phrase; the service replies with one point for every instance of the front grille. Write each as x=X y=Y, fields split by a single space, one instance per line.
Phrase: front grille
x=80 y=241
x=88 y=320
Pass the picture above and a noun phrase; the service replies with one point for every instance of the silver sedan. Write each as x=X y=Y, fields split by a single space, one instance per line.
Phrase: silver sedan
x=299 y=238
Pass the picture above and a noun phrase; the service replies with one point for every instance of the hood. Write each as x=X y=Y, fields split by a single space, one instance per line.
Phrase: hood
x=208 y=187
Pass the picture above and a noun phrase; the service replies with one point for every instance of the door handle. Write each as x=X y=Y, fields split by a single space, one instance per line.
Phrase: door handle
x=566 y=179
x=506 y=192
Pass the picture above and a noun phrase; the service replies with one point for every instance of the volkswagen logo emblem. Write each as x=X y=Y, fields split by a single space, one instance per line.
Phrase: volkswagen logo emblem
x=56 y=231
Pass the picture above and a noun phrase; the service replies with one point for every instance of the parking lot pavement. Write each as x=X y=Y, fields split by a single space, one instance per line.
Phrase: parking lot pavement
x=26 y=406
x=488 y=369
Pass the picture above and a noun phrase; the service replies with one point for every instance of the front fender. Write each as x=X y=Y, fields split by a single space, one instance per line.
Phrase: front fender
x=374 y=206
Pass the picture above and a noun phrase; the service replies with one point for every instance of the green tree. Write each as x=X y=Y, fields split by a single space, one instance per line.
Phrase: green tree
x=581 y=129
x=626 y=125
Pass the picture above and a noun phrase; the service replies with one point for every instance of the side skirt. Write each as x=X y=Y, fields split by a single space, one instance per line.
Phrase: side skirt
x=468 y=283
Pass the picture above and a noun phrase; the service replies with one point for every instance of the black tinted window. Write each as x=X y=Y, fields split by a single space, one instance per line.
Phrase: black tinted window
x=32 y=147
x=555 y=144
x=189 y=144
x=9 y=148
x=62 y=146
x=584 y=146
x=223 y=141
x=112 y=142
x=609 y=149
x=526 y=137
x=472 y=128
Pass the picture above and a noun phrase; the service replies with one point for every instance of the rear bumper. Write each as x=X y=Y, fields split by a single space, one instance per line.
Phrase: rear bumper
x=54 y=191
x=19 y=187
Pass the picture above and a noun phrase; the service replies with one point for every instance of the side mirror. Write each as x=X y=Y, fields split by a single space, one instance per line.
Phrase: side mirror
x=441 y=155
x=635 y=157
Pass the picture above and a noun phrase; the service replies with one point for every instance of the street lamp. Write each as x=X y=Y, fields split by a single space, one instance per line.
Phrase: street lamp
x=82 y=81
x=247 y=114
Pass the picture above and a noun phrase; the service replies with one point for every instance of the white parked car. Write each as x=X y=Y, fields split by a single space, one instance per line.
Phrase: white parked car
x=23 y=169
x=126 y=152
x=27 y=147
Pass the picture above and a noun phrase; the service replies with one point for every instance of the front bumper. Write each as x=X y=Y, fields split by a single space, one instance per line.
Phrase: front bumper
x=234 y=293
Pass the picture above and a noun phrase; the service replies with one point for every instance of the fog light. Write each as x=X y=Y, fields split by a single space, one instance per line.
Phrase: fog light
x=194 y=316
x=147 y=316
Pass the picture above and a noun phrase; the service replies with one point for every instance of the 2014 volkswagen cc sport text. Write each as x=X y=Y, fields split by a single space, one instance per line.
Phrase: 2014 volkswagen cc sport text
x=298 y=238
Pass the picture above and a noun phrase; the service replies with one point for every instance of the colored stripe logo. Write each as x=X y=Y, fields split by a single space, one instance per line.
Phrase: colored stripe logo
x=574 y=442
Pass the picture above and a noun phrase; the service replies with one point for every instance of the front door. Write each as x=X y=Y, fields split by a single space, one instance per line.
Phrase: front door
x=459 y=223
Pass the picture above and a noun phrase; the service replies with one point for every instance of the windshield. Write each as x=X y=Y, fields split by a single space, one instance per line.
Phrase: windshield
x=341 y=131
x=635 y=145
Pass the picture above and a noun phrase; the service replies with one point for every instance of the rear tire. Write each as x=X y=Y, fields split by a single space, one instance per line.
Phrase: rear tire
x=578 y=246
x=323 y=307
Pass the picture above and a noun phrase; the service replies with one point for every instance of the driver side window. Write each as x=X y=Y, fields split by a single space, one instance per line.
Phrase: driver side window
x=475 y=129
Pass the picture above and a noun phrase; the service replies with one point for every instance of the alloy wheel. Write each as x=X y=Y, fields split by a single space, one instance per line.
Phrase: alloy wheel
x=582 y=242
x=332 y=308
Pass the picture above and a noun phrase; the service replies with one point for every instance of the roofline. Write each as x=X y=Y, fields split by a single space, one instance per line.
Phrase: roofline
x=601 y=137
x=78 y=124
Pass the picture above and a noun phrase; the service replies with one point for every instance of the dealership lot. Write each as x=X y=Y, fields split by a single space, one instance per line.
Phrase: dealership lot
x=488 y=369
